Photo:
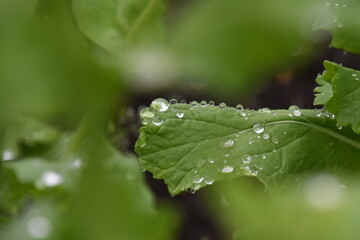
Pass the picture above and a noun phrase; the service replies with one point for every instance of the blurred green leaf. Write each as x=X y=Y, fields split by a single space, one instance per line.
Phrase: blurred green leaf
x=191 y=146
x=47 y=70
x=232 y=43
x=323 y=209
x=341 y=19
x=339 y=92
x=113 y=23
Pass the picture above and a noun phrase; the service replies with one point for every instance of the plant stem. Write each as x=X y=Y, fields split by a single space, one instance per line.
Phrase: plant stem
x=134 y=30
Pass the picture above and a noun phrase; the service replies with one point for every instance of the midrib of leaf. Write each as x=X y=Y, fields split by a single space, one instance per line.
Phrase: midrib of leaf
x=316 y=127
x=135 y=28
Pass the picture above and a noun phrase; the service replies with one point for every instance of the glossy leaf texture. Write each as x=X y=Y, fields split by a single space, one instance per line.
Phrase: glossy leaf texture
x=341 y=19
x=340 y=93
x=191 y=146
x=112 y=23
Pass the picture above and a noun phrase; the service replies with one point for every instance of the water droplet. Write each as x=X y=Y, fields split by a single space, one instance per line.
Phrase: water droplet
x=211 y=161
x=198 y=179
x=227 y=169
x=160 y=104
x=173 y=101
x=193 y=104
x=266 y=136
x=263 y=156
x=329 y=115
x=239 y=107
x=203 y=103
x=209 y=181
x=180 y=115
x=246 y=159
x=51 y=179
x=265 y=110
x=211 y=103
x=242 y=113
x=295 y=110
x=284 y=132
x=229 y=143
x=338 y=126
x=275 y=140
x=157 y=121
x=192 y=191
x=147 y=113
x=183 y=101
x=8 y=155
x=222 y=105
x=258 y=128
x=39 y=227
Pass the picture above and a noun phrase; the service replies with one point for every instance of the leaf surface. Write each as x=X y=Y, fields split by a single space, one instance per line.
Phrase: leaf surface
x=340 y=93
x=107 y=23
x=279 y=147
x=341 y=19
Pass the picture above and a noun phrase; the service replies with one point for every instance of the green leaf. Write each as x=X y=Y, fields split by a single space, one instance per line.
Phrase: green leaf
x=237 y=41
x=191 y=146
x=340 y=93
x=112 y=23
x=341 y=19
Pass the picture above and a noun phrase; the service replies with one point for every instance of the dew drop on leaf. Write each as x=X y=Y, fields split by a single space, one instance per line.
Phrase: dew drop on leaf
x=227 y=169
x=258 y=128
x=229 y=143
x=222 y=105
x=180 y=115
x=275 y=140
x=239 y=107
x=147 y=113
x=338 y=126
x=160 y=104
x=266 y=136
x=295 y=110
x=211 y=103
x=203 y=103
x=246 y=159
x=173 y=101
x=198 y=179
x=157 y=121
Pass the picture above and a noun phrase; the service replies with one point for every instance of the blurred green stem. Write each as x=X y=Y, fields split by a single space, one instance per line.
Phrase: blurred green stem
x=135 y=28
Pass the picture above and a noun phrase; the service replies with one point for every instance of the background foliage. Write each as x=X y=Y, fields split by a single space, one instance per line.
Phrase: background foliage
x=74 y=76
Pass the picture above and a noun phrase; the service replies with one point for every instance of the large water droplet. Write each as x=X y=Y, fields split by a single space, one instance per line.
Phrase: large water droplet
x=338 y=126
x=295 y=110
x=51 y=179
x=227 y=169
x=39 y=227
x=157 y=121
x=160 y=104
x=275 y=140
x=211 y=103
x=147 y=113
x=209 y=181
x=203 y=103
x=258 y=128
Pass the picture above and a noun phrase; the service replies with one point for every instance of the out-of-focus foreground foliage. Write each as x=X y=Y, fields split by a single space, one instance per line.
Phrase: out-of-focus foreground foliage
x=69 y=69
